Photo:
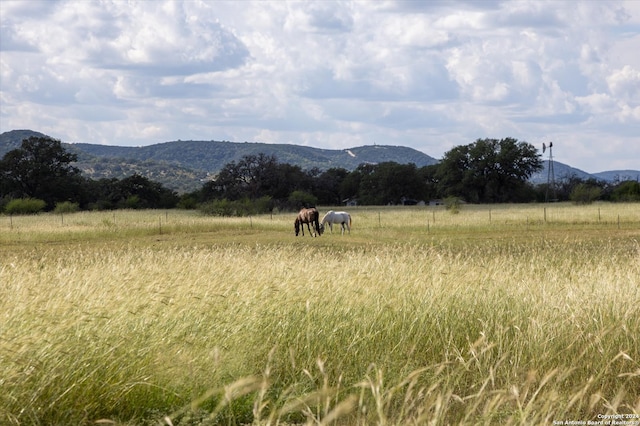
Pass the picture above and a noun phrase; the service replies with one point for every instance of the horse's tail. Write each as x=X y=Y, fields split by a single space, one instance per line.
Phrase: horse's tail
x=349 y=221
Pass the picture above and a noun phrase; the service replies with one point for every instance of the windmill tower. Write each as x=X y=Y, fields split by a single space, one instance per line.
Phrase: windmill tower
x=551 y=175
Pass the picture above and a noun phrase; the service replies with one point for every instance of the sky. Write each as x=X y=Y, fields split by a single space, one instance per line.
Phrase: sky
x=430 y=75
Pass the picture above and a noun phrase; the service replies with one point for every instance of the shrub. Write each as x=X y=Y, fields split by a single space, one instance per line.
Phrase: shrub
x=585 y=194
x=302 y=199
x=25 y=206
x=188 y=202
x=263 y=205
x=452 y=204
x=132 y=202
x=222 y=207
x=66 y=207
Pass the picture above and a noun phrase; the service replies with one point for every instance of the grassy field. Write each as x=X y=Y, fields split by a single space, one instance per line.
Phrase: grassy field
x=502 y=314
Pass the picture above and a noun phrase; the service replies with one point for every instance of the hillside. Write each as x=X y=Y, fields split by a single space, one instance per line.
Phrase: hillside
x=563 y=171
x=180 y=179
x=618 y=175
x=13 y=139
x=211 y=156
x=185 y=165
x=560 y=170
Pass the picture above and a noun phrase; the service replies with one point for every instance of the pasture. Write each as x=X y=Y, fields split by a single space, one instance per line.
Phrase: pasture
x=501 y=314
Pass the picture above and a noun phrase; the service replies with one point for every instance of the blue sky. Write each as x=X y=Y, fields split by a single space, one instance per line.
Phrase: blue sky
x=329 y=74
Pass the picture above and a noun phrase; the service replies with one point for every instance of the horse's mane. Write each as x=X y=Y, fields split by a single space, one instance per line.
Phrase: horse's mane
x=327 y=214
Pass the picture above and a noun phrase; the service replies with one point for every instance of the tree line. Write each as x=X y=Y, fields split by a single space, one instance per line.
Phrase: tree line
x=40 y=176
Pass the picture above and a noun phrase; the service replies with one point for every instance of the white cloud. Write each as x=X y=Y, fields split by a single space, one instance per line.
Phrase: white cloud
x=625 y=84
x=335 y=74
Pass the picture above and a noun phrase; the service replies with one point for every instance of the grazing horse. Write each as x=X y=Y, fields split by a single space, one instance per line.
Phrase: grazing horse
x=343 y=218
x=308 y=216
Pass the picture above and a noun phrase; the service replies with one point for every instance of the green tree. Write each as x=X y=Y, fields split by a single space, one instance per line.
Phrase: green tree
x=327 y=186
x=289 y=178
x=428 y=175
x=626 y=191
x=488 y=170
x=384 y=183
x=137 y=192
x=366 y=191
x=300 y=199
x=105 y=193
x=250 y=177
x=350 y=185
x=41 y=168
x=452 y=171
x=390 y=183
x=257 y=176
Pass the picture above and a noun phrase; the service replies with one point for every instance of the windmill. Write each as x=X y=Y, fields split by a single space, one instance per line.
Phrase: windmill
x=551 y=175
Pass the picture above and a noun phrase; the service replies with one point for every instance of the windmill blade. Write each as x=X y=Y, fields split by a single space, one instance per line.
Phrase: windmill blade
x=544 y=147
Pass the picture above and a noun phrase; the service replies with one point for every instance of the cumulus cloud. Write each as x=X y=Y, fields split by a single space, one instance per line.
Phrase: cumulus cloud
x=331 y=74
x=625 y=83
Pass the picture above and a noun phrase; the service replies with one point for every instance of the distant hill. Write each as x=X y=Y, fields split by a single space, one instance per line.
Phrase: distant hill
x=13 y=139
x=618 y=175
x=185 y=165
x=211 y=156
x=560 y=171
x=563 y=171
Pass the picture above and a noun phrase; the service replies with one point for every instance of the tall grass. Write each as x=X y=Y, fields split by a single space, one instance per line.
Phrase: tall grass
x=464 y=320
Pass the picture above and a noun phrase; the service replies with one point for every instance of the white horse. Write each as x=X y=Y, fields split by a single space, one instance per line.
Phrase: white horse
x=331 y=217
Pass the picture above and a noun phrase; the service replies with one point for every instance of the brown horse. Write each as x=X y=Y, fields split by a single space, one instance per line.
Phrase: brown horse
x=308 y=216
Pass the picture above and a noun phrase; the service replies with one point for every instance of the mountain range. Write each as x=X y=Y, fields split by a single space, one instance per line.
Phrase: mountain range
x=184 y=165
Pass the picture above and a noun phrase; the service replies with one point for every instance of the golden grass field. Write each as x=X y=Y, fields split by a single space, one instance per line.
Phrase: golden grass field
x=501 y=314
